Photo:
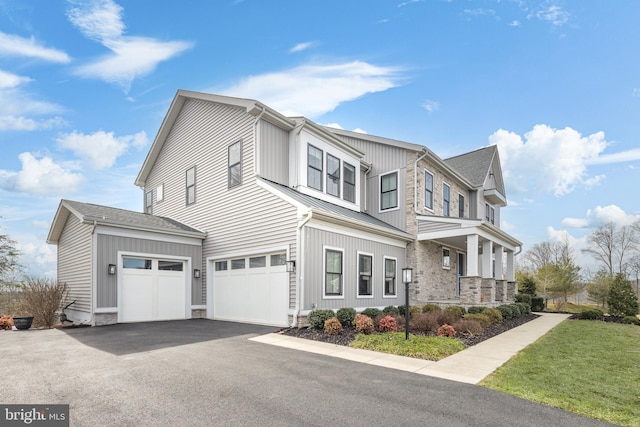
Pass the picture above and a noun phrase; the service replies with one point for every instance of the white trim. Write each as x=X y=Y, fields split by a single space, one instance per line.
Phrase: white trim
x=463 y=207
x=198 y=307
x=380 y=210
x=372 y=279
x=433 y=193
x=449 y=187
x=105 y=310
x=187 y=274
x=160 y=193
x=346 y=231
x=384 y=276
x=158 y=236
x=324 y=273
x=251 y=253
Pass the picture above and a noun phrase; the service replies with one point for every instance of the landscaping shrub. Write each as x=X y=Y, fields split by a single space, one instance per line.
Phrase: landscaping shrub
x=346 y=316
x=6 y=323
x=494 y=314
x=526 y=298
x=332 y=326
x=506 y=310
x=430 y=307
x=401 y=310
x=622 y=301
x=517 y=311
x=387 y=324
x=632 y=320
x=317 y=318
x=372 y=313
x=424 y=323
x=482 y=319
x=364 y=324
x=456 y=310
x=468 y=326
x=42 y=299
x=537 y=304
x=391 y=310
x=446 y=331
x=476 y=309
x=591 y=314
x=414 y=310
x=525 y=308
x=446 y=317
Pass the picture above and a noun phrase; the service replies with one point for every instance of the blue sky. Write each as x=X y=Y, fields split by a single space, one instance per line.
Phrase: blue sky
x=84 y=86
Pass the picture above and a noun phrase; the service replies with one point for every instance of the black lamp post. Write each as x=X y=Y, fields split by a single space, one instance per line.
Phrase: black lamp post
x=406 y=278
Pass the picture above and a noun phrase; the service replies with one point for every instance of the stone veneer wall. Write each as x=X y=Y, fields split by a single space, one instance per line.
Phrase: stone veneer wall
x=431 y=281
x=501 y=290
x=511 y=291
x=198 y=313
x=101 y=319
x=488 y=290
x=470 y=290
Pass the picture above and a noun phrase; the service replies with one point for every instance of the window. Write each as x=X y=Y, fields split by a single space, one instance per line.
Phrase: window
x=349 y=183
x=428 y=190
x=446 y=258
x=365 y=271
x=148 y=201
x=278 y=259
x=136 y=263
x=389 y=191
x=460 y=206
x=170 y=265
x=333 y=273
x=234 y=164
x=314 y=167
x=333 y=175
x=490 y=213
x=446 y=195
x=221 y=265
x=258 y=262
x=237 y=264
x=389 y=277
x=160 y=193
x=191 y=185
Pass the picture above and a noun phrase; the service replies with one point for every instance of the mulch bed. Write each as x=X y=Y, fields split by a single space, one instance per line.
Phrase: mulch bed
x=348 y=334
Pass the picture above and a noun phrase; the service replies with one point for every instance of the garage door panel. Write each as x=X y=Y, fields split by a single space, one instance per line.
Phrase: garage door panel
x=170 y=296
x=137 y=300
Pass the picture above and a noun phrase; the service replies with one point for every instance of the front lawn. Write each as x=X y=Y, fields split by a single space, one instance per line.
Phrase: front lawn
x=590 y=368
x=420 y=347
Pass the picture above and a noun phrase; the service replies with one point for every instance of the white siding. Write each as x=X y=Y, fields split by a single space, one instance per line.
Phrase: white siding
x=74 y=263
x=274 y=153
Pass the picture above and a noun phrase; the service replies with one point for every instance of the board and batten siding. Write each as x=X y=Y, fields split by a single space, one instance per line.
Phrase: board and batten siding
x=315 y=242
x=273 y=151
x=383 y=158
x=74 y=263
x=243 y=219
x=108 y=247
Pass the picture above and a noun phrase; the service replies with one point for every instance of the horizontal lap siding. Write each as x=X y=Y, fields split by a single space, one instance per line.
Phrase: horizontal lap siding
x=241 y=219
x=74 y=263
x=108 y=247
x=313 y=283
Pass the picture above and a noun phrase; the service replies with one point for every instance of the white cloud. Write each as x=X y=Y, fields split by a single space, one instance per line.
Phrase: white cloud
x=313 y=90
x=41 y=224
x=100 y=149
x=575 y=223
x=553 y=14
x=430 y=105
x=623 y=156
x=601 y=215
x=479 y=12
x=12 y=45
x=408 y=2
x=548 y=159
x=514 y=23
x=334 y=125
x=301 y=46
x=42 y=253
x=130 y=57
x=40 y=177
x=358 y=130
x=9 y=80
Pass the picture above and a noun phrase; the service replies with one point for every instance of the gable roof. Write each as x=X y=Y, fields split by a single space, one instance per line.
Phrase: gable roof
x=89 y=213
x=474 y=165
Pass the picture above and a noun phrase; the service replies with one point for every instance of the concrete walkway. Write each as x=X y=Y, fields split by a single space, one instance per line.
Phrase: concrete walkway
x=468 y=366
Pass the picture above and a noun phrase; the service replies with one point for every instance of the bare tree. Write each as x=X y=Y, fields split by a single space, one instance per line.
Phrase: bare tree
x=610 y=245
x=9 y=256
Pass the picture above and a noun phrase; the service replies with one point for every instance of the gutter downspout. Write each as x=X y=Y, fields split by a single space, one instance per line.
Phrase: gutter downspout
x=415 y=179
x=299 y=270
x=366 y=172
x=256 y=161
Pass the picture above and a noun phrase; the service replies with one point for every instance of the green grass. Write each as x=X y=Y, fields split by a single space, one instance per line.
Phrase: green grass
x=590 y=368
x=572 y=307
x=420 y=347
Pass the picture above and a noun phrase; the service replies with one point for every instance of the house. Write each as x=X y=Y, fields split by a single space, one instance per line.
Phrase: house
x=252 y=216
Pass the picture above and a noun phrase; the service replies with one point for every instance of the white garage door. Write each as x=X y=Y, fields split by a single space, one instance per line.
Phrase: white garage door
x=152 y=289
x=252 y=289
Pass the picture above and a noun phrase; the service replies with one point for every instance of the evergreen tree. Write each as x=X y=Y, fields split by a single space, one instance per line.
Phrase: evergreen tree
x=622 y=300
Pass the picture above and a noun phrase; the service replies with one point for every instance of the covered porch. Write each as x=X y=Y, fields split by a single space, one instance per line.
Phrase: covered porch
x=485 y=264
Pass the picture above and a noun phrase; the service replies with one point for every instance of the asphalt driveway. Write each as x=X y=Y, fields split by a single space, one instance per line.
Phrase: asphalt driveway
x=207 y=373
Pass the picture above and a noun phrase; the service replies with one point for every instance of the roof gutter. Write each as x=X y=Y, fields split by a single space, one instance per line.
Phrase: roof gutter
x=299 y=269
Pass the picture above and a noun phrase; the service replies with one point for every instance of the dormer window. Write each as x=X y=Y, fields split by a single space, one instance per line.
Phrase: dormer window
x=314 y=167
x=333 y=175
x=389 y=191
x=349 y=183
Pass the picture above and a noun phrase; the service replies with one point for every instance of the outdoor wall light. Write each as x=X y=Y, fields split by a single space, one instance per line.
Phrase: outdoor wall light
x=196 y=273
x=111 y=270
x=290 y=266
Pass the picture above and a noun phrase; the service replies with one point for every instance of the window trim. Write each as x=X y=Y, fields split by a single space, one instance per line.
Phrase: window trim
x=160 y=193
x=384 y=277
x=371 y=278
x=461 y=205
x=490 y=213
x=309 y=167
x=426 y=171
x=446 y=201
x=187 y=186
x=345 y=182
x=397 y=206
x=230 y=166
x=148 y=202
x=446 y=266
x=333 y=177
x=325 y=249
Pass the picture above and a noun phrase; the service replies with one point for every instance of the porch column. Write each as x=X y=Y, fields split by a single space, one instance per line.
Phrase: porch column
x=472 y=255
x=487 y=252
x=499 y=263
x=511 y=271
